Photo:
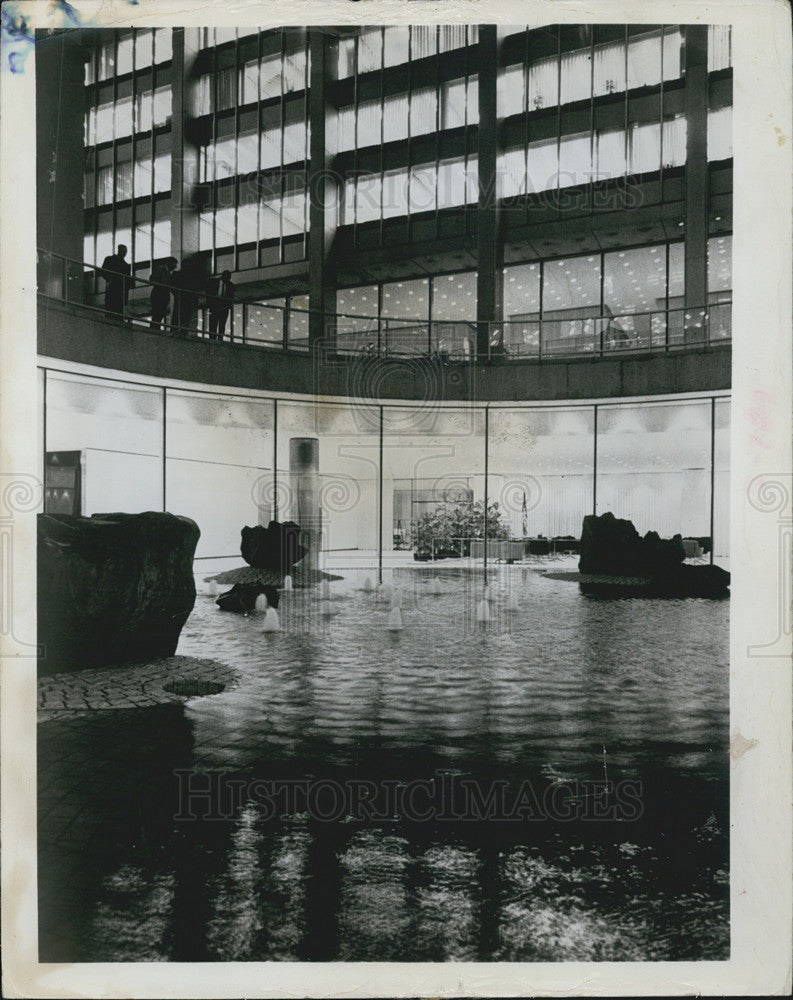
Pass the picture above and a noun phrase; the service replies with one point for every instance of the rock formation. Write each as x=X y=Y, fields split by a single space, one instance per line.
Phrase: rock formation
x=613 y=554
x=112 y=588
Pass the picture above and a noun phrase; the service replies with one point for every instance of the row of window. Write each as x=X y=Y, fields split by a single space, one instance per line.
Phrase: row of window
x=259 y=80
x=545 y=166
x=638 y=280
x=141 y=48
x=644 y=280
x=376 y=48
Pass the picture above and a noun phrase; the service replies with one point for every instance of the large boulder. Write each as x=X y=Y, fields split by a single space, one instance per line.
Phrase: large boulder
x=276 y=547
x=242 y=597
x=614 y=557
x=613 y=546
x=112 y=588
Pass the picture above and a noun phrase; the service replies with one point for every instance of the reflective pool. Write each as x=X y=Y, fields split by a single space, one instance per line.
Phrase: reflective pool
x=551 y=785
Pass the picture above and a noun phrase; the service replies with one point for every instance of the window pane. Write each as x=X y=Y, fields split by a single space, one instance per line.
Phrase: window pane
x=571 y=285
x=673 y=53
x=522 y=291
x=406 y=299
x=162 y=44
x=123 y=124
x=543 y=165
x=634 y=281
x=451 y=183
x=295 y=71
x=359 y=301
x=719 y=47
x=423 y=41
x=395 y=119
x=511 y=98
x=454 y=296
x=346 y=62
x=575 y=160
x=423 y=108
x=162 y=105
x=645 y=148
x=270 y=81
x=124 y=55
x=644 y=60
x=543 y=84
x=368 y=194
x=394 y=193
x=720 y=264
x=370 y=50
x=611 y=160
x=143 y=49
x=576 y=80
x=720 y=134
x=675 y=142
x=511 y=173
x=369 y=119
x=397 y=43
x=423 y=189
x=609 y=68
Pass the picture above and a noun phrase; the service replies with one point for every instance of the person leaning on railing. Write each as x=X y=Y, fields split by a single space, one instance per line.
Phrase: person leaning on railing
x=220 y=296
x=161 y=292
x=116 y=273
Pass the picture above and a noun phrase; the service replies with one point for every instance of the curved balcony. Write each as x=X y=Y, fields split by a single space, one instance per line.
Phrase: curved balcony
x=267 y=347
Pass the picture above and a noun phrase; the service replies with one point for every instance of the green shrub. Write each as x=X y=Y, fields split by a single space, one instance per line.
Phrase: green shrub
x=449 y=522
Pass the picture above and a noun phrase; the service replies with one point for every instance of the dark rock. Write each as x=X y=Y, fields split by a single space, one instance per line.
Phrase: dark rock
x=612 y=545
x=692 y=581
x=112 y=588
x=242 y=597
x=276 y=547
x=612 y=548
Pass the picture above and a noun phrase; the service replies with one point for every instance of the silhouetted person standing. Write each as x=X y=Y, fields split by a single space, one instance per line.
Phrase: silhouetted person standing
x=187 y=284
x=220 y=300
x=160 y=293
x=116 y=272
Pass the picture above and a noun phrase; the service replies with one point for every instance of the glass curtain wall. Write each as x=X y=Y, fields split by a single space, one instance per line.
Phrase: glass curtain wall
x=127 y=180
x=598 y=103
x=218 y=467
x=210 y=456
x=253 y=105
x=619 y=299
x=413 y=177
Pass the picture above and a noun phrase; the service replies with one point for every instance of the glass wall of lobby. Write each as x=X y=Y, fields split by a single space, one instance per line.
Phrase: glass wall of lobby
x=225 y=459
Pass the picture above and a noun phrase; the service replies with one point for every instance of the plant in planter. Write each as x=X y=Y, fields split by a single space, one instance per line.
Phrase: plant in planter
x=438 y=533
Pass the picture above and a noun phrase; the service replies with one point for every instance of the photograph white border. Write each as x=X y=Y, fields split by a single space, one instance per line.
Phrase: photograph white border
x=761 y=498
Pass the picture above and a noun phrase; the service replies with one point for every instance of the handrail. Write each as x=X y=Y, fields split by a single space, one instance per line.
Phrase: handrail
x=447 y=341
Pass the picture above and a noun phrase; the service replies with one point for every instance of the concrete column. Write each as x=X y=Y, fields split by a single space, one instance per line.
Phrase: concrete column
x=185 y=150
x=305 y=488
x=60 y=156
x=488 y=284
x=323 y=197
x=696 y=219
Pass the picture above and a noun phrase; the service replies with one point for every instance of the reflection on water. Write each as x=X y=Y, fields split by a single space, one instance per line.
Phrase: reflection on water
x=567 y=690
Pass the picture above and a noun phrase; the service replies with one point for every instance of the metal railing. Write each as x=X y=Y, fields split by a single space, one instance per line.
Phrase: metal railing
x=287 y=328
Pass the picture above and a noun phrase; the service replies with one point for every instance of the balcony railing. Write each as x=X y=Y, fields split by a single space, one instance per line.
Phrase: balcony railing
x=262 y=324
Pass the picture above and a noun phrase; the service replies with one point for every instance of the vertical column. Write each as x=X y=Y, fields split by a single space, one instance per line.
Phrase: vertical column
x=60 y=154
x=304 y=483
x=322 y=199
x=696 y=229
x=185 y=150
x=488 y=281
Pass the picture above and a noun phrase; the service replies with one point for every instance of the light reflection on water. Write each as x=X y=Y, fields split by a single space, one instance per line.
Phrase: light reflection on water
x=554 y=682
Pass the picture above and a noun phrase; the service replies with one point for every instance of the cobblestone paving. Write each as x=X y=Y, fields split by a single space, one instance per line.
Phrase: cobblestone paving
x=133 y=685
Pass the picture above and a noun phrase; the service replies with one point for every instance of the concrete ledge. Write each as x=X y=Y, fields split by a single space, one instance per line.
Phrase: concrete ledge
x=70 y=333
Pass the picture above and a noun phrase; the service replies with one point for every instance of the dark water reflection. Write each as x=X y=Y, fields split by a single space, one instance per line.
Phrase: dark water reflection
x=568 y=689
